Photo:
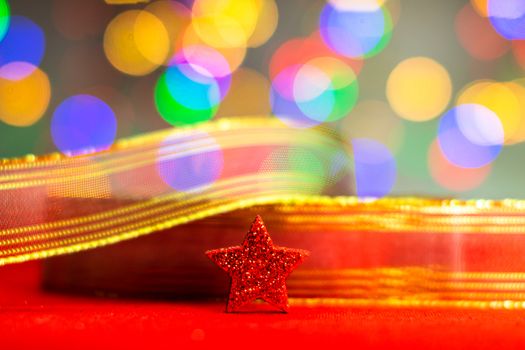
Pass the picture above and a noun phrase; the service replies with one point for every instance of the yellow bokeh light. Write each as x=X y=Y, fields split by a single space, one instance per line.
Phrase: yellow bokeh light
x=518 y=87
x=225 y=23
x=419 y=89
x=175 y=17
x=504 y=99
x=519 y=133
x=266 y=23
x=481 y=7
x=24 y=100
x=234 y=23
x=469 y=92
x=249 y=94
x=220 y=31
x=233 y=55
x=375 y=120
x=136 y=42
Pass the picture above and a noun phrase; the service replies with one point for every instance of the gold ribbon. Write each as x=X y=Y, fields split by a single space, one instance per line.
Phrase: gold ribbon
x=52 y=205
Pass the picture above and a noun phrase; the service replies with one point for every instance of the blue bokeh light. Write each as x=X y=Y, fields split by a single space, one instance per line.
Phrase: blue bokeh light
x=354 y=33
x=192 y=89
x=470 y=135
x=83 y=124
x=23 y=42
x=508 y=18
x=375 y=168
x=283 y=103
x=313 y=93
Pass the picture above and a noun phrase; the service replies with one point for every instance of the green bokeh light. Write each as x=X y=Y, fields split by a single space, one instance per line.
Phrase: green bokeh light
x=173 y=112
x=385 y=39
x=4 y=18
x=345 y=100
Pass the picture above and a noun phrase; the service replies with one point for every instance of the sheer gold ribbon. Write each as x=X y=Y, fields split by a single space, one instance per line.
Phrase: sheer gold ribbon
x=54 y=205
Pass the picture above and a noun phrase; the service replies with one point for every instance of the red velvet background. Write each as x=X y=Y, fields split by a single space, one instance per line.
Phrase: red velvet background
x=31 y=319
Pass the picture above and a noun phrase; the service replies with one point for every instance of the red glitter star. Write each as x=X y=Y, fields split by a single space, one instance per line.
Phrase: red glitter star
x=258 y=269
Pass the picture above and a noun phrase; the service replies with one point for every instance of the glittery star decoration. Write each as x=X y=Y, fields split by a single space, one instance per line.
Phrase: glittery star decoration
x=257 y=268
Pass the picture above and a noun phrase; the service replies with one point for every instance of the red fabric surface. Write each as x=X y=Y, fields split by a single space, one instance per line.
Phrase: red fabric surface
x=31 y=318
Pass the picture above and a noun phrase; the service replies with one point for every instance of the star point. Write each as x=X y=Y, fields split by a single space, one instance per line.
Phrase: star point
x=258 y=269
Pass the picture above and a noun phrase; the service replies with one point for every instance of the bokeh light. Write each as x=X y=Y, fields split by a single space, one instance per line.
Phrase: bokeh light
x=478 y=37
x=24 y=97
x=418 y=89
x=356 y=31
x=313 y=63
x=518 y=88
x=323 y=89
x=299 y=51
x=197 y=164
x=375 y=168
x=249 y=95
x=187 y=94
x=504 y=99
x=508 y=18
x=311 y=90
x=233 y=55
x=374 y=119
x=176 y=18
x=205 y=59
x=233 y=23
x=83 y=124
x=136 y=42
x=358 y=6
x=481 y=7
x=121 y=106
x=281 y=100
x=266 y=23
x=192 y=88
x=224 y=23
x=23 y=42
x=453 y=177
x=4 y=18
x=470 y=135
x=518 y=51
x=286 y=55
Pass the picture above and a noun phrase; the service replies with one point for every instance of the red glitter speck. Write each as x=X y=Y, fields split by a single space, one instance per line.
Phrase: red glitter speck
x=258 y=269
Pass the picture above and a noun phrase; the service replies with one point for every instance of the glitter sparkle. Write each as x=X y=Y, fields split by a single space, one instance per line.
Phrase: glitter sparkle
x=257 y=268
